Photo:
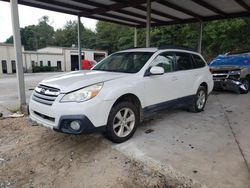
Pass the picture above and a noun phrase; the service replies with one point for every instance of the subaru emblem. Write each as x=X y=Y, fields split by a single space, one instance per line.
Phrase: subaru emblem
x=43 y=91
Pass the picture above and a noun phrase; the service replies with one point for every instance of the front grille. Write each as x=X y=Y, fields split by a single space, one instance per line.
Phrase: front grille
x=224 y=74
x=45 y=94
x=220 y=71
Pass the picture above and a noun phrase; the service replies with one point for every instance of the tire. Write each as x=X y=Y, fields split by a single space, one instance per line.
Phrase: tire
x=199 y=101
x=120 y=128
x=244 y=88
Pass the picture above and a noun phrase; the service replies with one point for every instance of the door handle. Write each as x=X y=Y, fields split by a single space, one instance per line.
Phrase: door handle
x=196 y=74
x=174 y=78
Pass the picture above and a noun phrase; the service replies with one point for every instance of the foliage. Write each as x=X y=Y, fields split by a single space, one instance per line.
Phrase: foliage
x=44 y=69
x=113 y=37
x=218 y=36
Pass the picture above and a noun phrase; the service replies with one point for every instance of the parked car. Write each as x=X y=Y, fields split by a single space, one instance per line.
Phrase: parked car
x=87 y=64
x=231 y=72
x=121 y=90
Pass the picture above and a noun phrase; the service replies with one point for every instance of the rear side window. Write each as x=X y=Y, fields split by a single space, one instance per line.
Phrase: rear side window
x=183 y=61
x=198 y=61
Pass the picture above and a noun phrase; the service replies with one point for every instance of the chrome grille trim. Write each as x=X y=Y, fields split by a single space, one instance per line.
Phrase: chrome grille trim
x=45 y=94
x=47 y=90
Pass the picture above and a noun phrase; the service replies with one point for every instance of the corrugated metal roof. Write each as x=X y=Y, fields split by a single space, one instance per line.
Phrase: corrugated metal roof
x=133 y=12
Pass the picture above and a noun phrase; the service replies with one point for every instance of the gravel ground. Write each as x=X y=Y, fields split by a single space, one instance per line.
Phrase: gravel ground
x=32 y=156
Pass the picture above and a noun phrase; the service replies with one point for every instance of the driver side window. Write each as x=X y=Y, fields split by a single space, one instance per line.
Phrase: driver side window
x=164 y=60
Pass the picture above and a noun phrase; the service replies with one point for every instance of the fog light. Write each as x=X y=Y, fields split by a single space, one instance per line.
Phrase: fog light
x=75 y=125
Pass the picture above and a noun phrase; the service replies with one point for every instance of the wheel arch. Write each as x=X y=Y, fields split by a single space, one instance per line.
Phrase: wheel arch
x=130 y=97
x=204 y=84
x=248 y=77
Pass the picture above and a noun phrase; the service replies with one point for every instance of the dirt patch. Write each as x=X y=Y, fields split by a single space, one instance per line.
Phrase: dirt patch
x=38 y=157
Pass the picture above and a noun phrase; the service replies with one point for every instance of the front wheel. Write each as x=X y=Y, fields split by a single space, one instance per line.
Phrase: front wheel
x=122 y=122
x=199 y=101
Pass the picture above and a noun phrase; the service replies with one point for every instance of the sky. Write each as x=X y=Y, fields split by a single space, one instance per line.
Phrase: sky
x=30 y=16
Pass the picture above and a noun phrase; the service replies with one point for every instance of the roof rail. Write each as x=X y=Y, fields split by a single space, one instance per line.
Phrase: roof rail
x=176 y=47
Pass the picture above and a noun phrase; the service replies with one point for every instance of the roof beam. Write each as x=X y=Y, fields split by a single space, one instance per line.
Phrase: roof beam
x=116 y=6
x=47 y=7
x=123 y=18
x=209 y=7
x=136 y=15
x=66 y=5
x=210 y=18
x=243 y=4
x=140 y=7
x=91 y=16
x=162 y=14
x=113 y=21
x=180 y=9
x=91 y=3
x=100 y=5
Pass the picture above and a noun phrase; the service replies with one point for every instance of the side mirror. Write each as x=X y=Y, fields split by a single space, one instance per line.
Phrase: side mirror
x=155 y=70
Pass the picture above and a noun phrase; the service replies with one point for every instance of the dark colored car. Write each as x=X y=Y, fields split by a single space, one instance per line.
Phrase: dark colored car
x=231 y=72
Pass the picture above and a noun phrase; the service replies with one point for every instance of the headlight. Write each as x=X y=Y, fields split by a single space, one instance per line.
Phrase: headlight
x=83 y=94
x=234 y=72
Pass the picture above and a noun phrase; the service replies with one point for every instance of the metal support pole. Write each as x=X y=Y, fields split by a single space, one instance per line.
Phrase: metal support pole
x=18 y=51
x=200 y=37
x=148 y=24
x=135 y=37
x=79 y=43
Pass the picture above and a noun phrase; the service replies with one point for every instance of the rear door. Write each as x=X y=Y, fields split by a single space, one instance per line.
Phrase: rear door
x=199 y=65
x=185 y=74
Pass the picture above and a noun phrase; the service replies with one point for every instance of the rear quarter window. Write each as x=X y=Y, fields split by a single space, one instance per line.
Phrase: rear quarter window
x=198 y=61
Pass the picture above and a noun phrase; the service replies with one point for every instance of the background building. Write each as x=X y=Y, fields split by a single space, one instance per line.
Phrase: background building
x=59 y=58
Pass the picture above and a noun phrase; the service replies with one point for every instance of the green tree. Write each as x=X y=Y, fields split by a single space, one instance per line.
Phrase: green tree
x=113 y=37
x=36 y=36
x=44 y=33
x=67 y=36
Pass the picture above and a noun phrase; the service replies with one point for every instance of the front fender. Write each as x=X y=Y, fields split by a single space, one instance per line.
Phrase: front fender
x=114 y=90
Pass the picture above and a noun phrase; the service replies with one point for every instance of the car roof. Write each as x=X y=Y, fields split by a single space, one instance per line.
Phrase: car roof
x=140 y=50
x=160 y=49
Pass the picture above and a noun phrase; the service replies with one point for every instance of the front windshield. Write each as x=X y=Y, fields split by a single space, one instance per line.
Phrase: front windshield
x=127 y=62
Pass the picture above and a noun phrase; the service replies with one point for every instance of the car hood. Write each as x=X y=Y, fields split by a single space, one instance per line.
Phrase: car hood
x=223 y=60
x=79 y=79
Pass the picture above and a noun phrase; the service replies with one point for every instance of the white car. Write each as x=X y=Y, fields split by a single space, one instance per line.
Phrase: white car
x=120 y=90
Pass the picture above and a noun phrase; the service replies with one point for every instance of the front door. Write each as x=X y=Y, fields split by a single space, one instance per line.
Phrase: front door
x=161 y=89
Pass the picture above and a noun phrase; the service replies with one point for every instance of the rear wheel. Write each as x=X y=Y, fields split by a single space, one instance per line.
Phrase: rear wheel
x=244 y=87
x=199 y=101
x=122 y=122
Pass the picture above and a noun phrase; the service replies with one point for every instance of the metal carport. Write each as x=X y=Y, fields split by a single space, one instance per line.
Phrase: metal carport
x=134 y=13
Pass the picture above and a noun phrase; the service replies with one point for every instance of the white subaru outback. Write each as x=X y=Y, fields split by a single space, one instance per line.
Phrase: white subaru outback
x=120 y=90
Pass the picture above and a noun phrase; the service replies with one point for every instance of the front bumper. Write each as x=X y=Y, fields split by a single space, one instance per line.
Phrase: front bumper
x=91 y=114
x=227 y=84
x=86 y=126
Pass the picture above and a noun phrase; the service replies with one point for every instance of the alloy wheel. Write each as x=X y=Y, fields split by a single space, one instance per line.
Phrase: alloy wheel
x=124 y=122
x=201 y=99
